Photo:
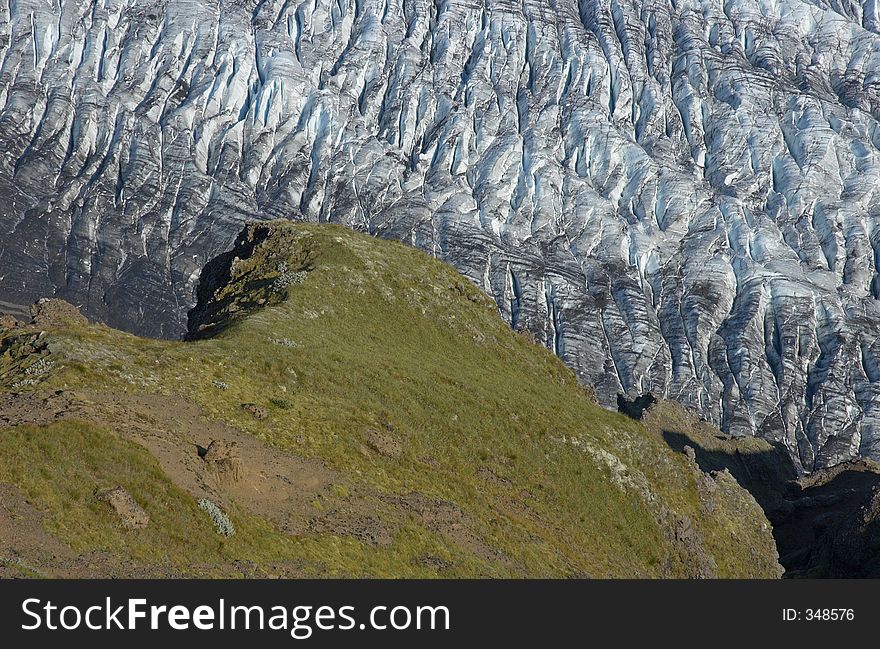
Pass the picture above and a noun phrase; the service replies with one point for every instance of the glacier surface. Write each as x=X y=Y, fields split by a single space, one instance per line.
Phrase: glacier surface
x=676 y=196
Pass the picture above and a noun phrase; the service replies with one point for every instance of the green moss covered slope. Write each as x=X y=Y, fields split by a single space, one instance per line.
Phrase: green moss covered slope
x=386 y=422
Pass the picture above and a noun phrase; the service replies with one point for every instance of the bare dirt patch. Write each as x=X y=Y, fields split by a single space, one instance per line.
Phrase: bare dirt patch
x=450 y=521
x=353 y=523
x=28 y=550
x=265 y=480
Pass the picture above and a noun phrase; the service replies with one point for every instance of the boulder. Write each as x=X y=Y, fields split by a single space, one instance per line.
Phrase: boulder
x=8 y=322
x=49 y=312
x=130 y=513
x=258 y=412
x=223 y=457
x=383 y=443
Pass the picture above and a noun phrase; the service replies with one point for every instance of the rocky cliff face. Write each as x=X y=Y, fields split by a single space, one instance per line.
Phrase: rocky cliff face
x=673 y=196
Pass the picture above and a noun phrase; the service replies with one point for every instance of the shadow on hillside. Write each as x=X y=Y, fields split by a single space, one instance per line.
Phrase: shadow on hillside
x=825 y=525
x=764 y=473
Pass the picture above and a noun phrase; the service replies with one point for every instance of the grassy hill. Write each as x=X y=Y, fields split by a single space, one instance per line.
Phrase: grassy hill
x=372 y=415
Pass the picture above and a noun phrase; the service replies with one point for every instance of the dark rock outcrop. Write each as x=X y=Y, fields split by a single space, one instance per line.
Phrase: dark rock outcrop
x=254 y=274
x=635 y=408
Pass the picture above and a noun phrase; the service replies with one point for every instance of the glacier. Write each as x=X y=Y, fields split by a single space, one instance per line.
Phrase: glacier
x=676 y=196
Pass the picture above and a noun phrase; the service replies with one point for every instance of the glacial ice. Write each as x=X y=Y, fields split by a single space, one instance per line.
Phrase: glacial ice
x=678 y=196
